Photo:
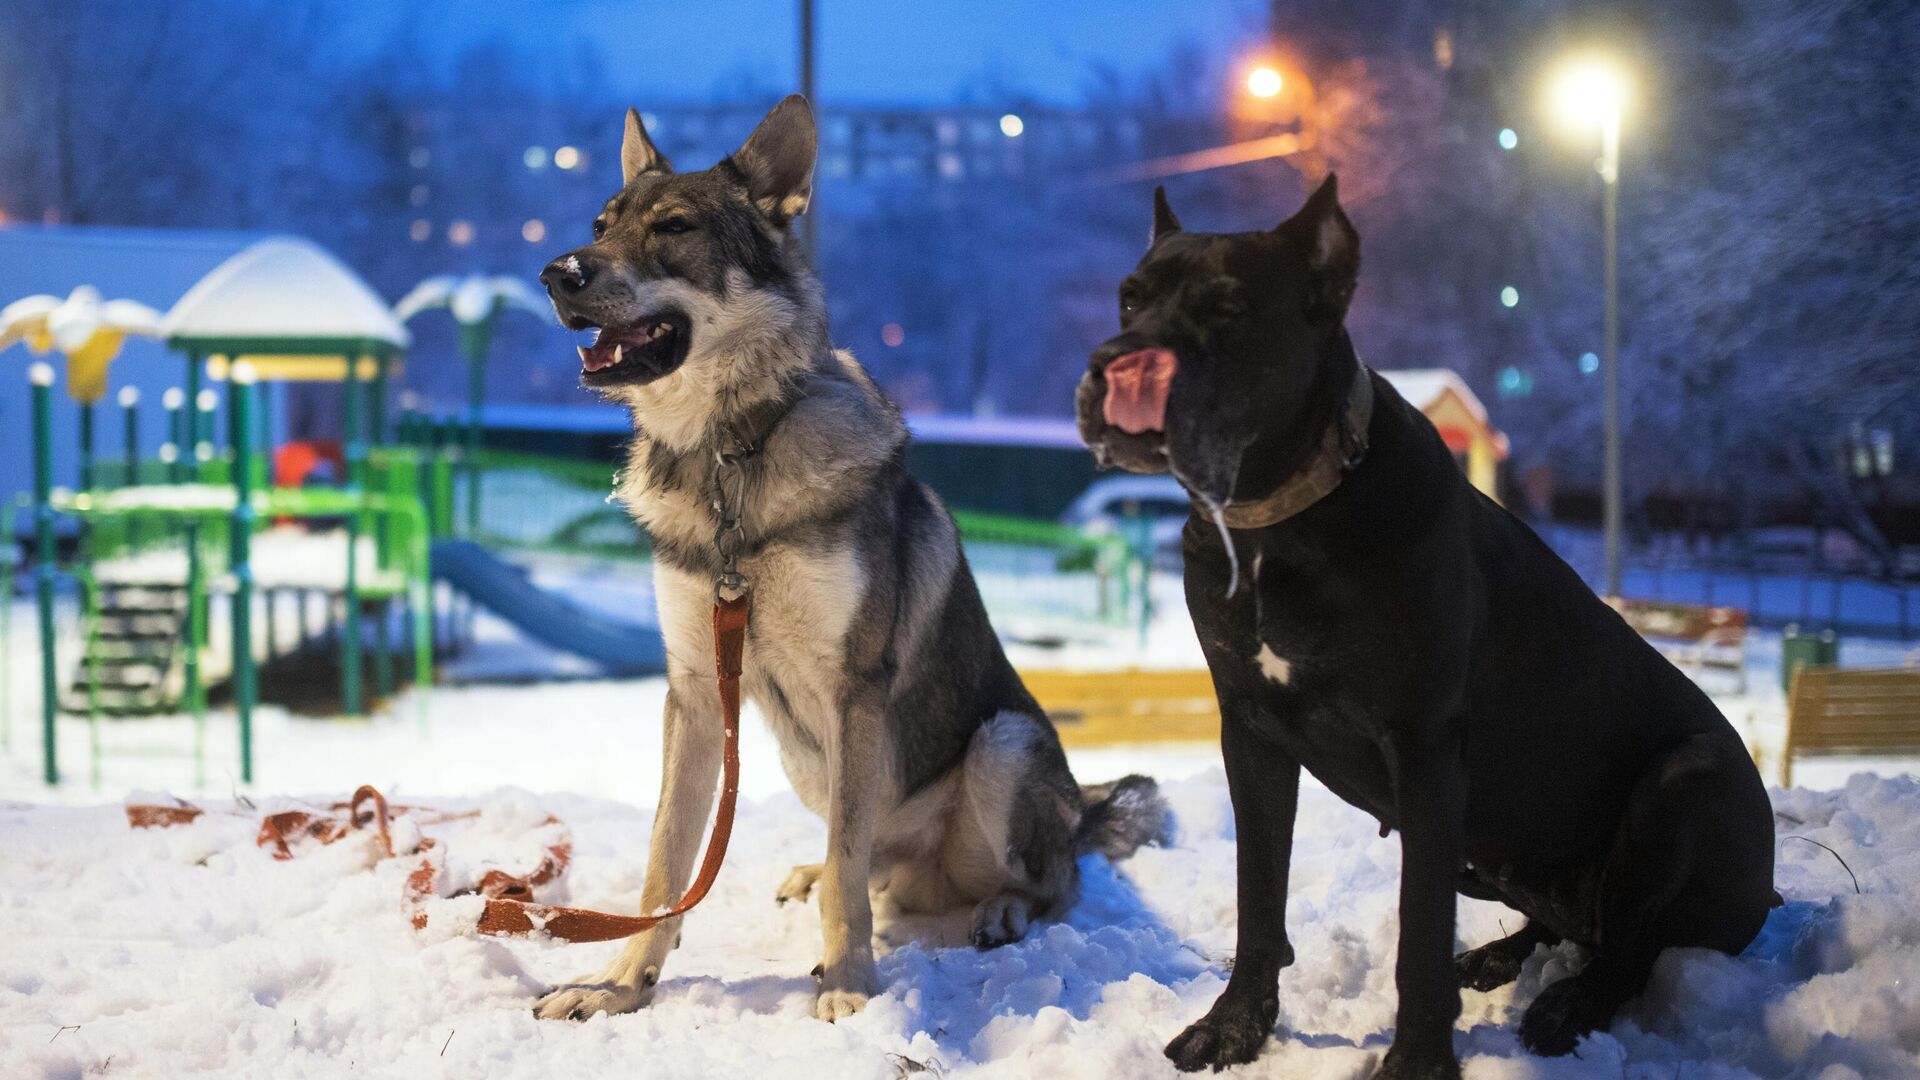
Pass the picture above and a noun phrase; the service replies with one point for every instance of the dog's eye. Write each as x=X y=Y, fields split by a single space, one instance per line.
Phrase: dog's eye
x=1129 y=302
x=599 y=228
x=672 y=226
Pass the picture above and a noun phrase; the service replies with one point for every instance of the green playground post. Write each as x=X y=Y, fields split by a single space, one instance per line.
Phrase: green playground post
x=240 y=434
x=42 y=376
x=475 y=340
x=377 y=402
x=192 y=459
x=130 y=433
x=174 y=452
x=192 y=400
x=86 y=446
x=356 y=453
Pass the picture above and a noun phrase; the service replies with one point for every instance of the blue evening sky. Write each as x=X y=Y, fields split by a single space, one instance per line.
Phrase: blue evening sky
x=871 y=51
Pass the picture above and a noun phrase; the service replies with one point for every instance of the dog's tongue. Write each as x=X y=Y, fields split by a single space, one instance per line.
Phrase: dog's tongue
x=601 y=354
x=1137 y=386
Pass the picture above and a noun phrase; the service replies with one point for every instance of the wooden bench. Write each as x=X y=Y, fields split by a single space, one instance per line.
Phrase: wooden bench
x=1852 y=712
x=1130 y=705
x=1691 y=635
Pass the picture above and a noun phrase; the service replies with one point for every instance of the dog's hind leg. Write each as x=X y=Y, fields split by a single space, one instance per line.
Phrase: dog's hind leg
x=1691 y=866
x=692 y=763
x=1497 y=963
x=1010 y=845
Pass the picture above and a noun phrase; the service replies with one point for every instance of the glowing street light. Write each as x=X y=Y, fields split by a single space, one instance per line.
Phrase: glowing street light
x=1588 y=92
x=1012 y=126
x=1264 y=82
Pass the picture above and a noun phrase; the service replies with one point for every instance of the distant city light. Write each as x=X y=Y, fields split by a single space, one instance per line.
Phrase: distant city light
x=566 y=157
x=533 y=231
x=418 y=157
x=1509 y=138
x=893 y=334
x=1515 y=383
x=1509 y=297
x=535 y=158
x=419 y=195
x=420 y=230
x=1263 y=82
x=460 y=233
x=1589 y=363
x=1011 y=126
x=129 y=396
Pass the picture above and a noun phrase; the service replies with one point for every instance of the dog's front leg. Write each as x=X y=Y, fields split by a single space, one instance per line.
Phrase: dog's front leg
x=855 y=777
x=1264 y=783
x=695 y=738
x=1430 y=798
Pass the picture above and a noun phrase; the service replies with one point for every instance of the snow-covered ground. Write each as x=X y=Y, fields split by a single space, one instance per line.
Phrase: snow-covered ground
x=190 y=951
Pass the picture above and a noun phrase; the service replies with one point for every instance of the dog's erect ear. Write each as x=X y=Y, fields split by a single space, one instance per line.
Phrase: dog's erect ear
x=1164 y=223
x=777 y=160
x=637 y=152
x=1322 y=230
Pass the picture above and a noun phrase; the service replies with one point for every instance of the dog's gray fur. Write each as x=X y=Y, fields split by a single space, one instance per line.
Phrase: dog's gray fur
x=899 y=719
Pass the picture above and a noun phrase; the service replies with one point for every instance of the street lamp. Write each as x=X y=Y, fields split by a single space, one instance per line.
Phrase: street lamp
x=1588 y=92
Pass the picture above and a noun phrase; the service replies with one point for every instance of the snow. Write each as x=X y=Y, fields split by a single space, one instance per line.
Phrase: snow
x=190 y=951
x=283 y=287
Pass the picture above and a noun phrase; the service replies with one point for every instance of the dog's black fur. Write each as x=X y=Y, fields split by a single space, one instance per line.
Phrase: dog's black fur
x=1444 y=671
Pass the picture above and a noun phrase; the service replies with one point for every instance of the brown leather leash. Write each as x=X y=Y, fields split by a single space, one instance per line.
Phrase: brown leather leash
x=510 y=909
x=505 y=916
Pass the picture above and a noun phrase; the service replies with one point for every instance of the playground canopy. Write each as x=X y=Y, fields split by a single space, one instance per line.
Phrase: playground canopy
x=1457 y=412
x=292 y=310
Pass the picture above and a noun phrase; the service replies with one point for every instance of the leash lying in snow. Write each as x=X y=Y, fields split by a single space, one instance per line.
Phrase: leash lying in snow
x=510 y=908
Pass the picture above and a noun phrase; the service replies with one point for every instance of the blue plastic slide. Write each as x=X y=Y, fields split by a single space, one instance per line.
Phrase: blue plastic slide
x=622 y=648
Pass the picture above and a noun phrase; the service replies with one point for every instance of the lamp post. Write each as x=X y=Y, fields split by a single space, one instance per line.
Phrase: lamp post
x=1590 y=92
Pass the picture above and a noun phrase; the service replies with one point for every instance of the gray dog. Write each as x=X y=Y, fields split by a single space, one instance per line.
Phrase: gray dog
x=899 y=719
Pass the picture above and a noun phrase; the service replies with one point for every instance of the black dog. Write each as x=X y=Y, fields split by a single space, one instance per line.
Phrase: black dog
x=1369 y=615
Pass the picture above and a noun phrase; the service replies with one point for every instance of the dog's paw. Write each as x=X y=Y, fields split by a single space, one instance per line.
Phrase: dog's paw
x=1231 y=1034
x=587 y=996
x=999 y=920
x=1488 y=967
x=799 y=884
x=1408 y=1065
x=834 y=1005
x=1563 y=1013
x=844 y=990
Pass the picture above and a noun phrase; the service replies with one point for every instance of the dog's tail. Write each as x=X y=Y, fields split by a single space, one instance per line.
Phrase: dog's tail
x=1121 y=816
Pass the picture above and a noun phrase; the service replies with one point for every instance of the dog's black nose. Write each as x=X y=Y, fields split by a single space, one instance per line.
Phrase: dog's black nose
x=566 y=274
x=1112 y=349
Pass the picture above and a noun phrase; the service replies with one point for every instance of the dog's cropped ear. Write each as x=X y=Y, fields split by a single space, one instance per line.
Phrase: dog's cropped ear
x=637 y=152
x=1164 y=222
x=1322 y=230
x=777 y=160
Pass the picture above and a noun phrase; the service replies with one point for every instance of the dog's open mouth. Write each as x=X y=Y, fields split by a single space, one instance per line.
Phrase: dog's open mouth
x=1123 y=410
x=636 y=353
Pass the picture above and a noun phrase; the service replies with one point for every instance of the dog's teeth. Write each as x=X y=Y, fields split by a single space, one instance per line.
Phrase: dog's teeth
x=659 y=329
x=616 y=352
x=583 y=353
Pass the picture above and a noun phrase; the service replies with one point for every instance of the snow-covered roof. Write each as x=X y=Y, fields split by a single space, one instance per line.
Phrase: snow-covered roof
x=283 y=288
x=1424 y=386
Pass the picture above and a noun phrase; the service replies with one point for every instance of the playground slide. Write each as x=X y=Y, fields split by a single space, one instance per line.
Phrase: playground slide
x=621 y=648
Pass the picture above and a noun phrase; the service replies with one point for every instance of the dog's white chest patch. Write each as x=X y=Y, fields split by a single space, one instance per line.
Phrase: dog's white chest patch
x=1273 y=665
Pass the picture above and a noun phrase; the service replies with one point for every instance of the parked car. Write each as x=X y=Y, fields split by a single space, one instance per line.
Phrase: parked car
x=1115 y=505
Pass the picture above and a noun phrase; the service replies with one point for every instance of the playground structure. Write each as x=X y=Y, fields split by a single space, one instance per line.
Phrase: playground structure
x=195 y=574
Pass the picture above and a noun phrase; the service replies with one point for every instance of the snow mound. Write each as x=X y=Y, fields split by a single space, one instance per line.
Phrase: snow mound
x=189 y=951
